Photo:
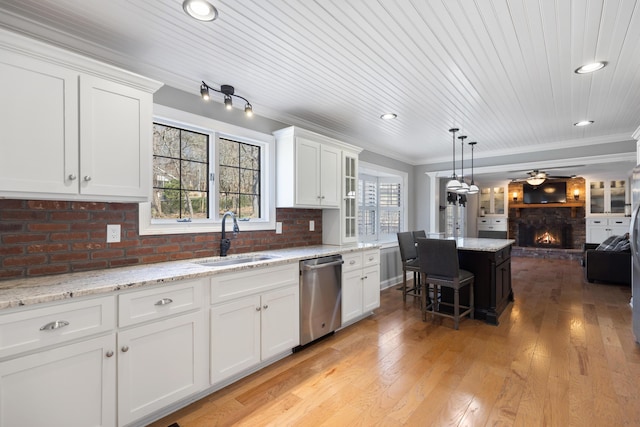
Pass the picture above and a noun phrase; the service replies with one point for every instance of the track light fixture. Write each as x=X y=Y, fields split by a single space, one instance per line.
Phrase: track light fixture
x=228 y=91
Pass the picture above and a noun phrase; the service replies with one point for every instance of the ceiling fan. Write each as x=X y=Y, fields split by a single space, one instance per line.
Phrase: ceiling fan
x=537 y=177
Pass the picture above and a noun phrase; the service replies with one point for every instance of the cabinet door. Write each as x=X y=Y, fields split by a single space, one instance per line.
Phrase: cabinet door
x=115 y=139
x=597 y=197
x=351 y=295
x=307 y=176
x=74 y=385
x=370 y=288
x=280 y=326
x=350 y=198
x=159 y=364
x=330 y=175
x=39 y=122
x=235 y=337
x=597 y=234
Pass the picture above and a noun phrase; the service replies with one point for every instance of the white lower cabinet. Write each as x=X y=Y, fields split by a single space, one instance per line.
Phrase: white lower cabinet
x=254 y=317
x=160 y=363
x=360 y=284
x=252 y=329
x=599 y=229
x=72 y=385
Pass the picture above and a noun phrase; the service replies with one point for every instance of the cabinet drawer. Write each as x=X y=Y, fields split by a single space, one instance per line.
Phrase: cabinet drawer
x=620 y=222
x=597 y=221
x=228 y=286
x=370 y=258
x=352 y=261
x=159 y=302
x=503 y=254
x=56 y=324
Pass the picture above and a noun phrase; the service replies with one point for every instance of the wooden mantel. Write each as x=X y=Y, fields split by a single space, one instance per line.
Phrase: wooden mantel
x=571 y=205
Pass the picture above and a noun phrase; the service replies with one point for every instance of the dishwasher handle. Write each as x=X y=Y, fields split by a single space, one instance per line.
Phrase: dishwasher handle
x=317 y=266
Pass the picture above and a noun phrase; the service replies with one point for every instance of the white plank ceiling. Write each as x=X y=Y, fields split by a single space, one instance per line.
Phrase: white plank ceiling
x=500 y=70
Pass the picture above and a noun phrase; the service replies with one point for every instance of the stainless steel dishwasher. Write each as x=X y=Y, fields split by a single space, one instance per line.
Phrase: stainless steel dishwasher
x=320 y=297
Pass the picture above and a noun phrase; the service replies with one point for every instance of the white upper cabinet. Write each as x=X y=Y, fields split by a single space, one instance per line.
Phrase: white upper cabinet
x=607 y=196
x=309 y=169
x=73 y=128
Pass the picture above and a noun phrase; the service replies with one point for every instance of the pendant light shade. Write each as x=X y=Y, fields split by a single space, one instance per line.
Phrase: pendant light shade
x=453 y=185
x=473 y=188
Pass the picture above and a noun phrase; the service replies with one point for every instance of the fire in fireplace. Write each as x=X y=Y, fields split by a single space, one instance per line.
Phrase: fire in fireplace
x=544 y=235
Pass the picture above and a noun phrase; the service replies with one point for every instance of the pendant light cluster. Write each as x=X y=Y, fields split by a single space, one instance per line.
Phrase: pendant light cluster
x=455 y=185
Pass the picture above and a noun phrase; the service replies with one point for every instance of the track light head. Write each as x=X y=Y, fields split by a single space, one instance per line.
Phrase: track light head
x=204 y=92
x=228 y=103
x=248 y=109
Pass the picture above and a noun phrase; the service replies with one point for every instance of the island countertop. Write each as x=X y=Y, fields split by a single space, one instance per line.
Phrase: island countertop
x=483 y=245
x=37 y=290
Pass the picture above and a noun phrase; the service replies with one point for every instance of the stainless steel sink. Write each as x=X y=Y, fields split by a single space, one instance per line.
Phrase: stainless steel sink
x=221 y=262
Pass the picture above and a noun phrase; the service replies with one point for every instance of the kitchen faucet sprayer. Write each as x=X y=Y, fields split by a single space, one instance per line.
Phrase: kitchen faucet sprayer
x=225 y=243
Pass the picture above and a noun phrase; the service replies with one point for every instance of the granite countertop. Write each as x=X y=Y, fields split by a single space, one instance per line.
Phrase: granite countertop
x=37 y=290
x=483 y=245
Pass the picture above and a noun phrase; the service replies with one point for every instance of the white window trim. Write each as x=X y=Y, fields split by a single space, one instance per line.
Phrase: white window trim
x=381 y=172
x=215 y=129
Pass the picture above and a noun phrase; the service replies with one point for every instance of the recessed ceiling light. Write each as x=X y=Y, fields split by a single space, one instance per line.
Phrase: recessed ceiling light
x=388 y=116
x=583 y=123
x=590 y=68
x=201 y=10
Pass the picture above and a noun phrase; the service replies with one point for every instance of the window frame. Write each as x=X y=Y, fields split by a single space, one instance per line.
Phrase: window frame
x=215 y=129
x=389 y=175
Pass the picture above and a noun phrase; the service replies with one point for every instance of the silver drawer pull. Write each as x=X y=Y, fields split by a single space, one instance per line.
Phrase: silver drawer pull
x=371 y=258
x=54 y=325
x=164 y=301
x=353 y=261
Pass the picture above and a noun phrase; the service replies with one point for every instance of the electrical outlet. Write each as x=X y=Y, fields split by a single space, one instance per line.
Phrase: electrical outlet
x=312 y=225
x=278 y=228
x=113 y=233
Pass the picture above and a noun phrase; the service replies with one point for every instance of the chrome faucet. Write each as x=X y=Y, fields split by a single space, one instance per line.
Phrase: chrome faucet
x=225 y=243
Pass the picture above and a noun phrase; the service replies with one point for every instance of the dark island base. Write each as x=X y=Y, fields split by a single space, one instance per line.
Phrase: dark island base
x=492 y=286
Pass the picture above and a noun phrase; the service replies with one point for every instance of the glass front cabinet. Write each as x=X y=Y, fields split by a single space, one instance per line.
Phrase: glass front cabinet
x=340 y=226
x=607 y=197
x=492 y=201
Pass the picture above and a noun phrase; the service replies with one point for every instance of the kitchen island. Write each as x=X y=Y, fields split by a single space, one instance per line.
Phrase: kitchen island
x=490 y=261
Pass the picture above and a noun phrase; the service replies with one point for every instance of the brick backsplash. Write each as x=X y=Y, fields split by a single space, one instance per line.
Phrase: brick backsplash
x=51 y=237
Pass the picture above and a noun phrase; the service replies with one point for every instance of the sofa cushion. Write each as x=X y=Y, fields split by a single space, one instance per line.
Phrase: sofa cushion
x=615 y=244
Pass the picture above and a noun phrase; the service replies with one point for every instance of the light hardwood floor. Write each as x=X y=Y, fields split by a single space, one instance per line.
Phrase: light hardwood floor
x=563 y=355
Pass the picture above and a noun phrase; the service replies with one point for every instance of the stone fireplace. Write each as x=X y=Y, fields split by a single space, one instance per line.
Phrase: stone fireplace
x=547 y=228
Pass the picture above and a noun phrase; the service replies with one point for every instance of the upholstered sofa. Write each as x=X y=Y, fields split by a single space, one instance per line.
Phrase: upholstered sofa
x=607 y=265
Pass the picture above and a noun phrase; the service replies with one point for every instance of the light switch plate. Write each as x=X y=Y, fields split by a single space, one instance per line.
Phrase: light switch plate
x=278 y=228
x=113 y=233
x=312 y=225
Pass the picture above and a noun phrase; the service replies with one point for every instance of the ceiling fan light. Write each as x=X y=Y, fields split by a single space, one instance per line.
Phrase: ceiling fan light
x=535 y=181
x=590 y=68
x=201 y=10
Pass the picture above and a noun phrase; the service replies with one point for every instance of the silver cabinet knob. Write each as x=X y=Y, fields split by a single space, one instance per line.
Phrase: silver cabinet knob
x=164 y=301
x=57 y=324
x=72 y=177
x=258 y=308
x=87 y=178
x=109 y=353
x=125 y=348
x=265 y=306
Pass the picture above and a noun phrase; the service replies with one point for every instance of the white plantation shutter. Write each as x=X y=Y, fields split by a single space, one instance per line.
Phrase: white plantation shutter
x=380 y=207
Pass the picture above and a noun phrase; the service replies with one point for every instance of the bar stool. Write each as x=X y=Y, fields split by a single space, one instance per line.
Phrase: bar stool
x=438 y=260
x=409 y=255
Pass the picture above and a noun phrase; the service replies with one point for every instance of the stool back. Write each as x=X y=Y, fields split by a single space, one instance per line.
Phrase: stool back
x=438 y=257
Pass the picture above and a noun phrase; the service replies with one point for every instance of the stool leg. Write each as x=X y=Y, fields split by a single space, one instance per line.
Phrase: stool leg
x=423 y=304
x=456 y=308
x=471 y=302
x=404 y=285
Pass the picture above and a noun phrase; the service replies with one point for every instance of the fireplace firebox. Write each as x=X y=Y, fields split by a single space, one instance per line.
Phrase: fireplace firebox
x=543 y=235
